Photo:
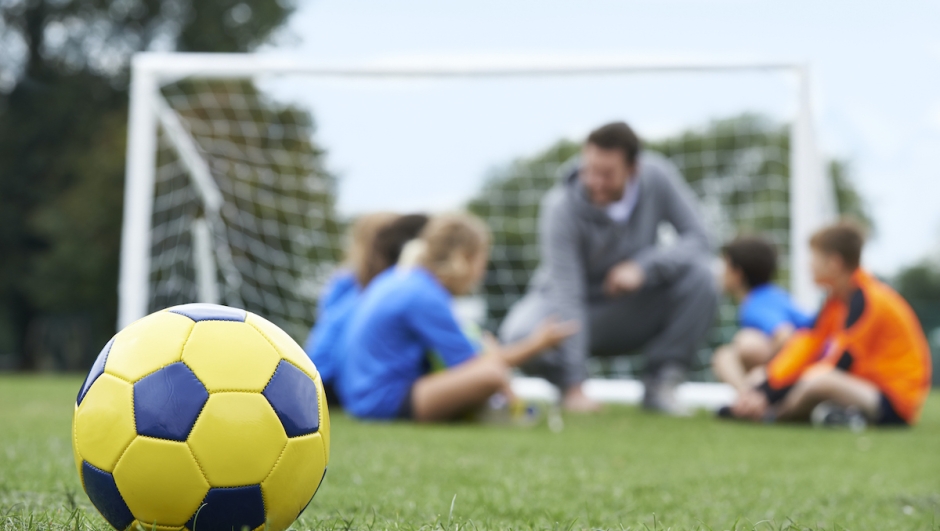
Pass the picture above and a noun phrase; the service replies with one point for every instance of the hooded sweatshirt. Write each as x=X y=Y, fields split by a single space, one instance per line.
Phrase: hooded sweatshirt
x=579 y=243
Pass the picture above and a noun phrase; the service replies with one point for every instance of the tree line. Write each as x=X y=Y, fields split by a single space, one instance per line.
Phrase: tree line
x=63 y=114
x=64 y=71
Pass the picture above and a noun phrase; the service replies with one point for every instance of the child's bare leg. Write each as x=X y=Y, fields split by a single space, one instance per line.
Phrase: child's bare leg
x=443 y=395
x=829 y=384
x=727 y=366
x=749 y=349
x=754 y=347
x=756 y=377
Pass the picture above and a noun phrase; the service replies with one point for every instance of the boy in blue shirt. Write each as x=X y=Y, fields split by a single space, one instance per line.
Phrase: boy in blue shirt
x=405 y=316
x=767 y=314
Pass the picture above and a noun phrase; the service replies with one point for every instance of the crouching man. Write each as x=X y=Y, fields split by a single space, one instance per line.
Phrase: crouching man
x=601 y=266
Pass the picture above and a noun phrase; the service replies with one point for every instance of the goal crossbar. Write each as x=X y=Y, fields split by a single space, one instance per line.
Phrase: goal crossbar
x=216 y=66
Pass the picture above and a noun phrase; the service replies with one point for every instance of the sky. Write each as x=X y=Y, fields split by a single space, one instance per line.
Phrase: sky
x=401 y=145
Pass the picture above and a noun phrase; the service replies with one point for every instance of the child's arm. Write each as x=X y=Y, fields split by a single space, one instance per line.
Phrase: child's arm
x=548 y=334
x=800 y=351
x=780 y=374
x=781 y=335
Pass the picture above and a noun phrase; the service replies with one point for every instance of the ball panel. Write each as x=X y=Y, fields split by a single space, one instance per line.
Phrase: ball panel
x=167 y=402
x=75 y=453
x=97 y=368
x=324 y=430
x=104 y=494
x=230 y=508
x=229 y=356
x=104 y=423
x=293 y=481
x=201 y=311
x=147 y=345
x=286 y=347
x=160 y=481
x=325 y=469
x=293 y=395
x=237 y=428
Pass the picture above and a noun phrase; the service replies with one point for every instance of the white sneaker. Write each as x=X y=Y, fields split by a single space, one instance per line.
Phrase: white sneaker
x=517 y=412
x=659 y=391
x=831 y=415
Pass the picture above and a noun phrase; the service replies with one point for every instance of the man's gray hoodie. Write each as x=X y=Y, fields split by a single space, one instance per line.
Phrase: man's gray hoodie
x=579 y=244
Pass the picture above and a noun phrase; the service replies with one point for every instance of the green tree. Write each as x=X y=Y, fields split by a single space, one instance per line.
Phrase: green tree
x=919 y=284
x=63 y=101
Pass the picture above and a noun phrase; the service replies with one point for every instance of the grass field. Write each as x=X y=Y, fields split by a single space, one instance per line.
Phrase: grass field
x=619 y=470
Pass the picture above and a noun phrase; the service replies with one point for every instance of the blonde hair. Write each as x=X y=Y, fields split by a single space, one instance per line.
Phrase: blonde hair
x=447 y=245
x=361 y=236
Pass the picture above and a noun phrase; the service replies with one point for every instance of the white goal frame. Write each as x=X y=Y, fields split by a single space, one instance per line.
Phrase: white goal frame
x=812 y=199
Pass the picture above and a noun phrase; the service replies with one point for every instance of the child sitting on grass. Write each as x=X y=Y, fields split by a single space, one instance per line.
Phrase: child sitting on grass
x=767 y=314
x=339 y=294
x=378 y=240
x=406 y=316
x=865 y=359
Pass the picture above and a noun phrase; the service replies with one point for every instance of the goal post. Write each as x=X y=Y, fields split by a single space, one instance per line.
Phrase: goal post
x=153 y=123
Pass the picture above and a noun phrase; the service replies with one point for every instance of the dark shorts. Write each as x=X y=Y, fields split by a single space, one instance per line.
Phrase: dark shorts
x=887 y=415
x=406 y=410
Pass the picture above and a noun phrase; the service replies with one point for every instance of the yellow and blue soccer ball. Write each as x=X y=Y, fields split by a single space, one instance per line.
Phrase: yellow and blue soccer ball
x=201 y=417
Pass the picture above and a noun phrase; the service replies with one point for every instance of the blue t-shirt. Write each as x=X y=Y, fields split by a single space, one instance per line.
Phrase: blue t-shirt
x=400 y=318
x=337 y=287
x=333 y=311
x=769 y=306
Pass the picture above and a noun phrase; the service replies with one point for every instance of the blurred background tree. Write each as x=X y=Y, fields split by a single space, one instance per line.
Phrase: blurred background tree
x=63 y=104
x=920 y=285
x=920 y=281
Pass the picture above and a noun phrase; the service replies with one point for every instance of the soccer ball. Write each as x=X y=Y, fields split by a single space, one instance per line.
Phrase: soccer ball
x=201 y=417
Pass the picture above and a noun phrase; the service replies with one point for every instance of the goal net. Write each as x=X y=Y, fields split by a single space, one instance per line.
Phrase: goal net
x=231 y=198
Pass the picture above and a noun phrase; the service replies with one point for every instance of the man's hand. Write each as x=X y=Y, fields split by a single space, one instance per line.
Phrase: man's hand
x=551 y=332
x=625 y=277
x=752 y=404
x=490 y=345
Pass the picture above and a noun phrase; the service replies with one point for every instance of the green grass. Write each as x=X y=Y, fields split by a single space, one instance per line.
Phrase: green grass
x=619 y=470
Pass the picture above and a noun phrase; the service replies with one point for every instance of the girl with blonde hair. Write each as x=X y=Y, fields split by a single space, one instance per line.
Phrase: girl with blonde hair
x=404 y=328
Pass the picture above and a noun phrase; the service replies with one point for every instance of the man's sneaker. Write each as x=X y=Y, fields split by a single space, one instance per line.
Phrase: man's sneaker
x=832 y=415
x=659 y=390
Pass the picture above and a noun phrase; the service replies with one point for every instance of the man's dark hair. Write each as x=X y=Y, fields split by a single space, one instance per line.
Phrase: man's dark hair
x=389 y=241
x=844 y=239
x=755 y=256
x=619 y=136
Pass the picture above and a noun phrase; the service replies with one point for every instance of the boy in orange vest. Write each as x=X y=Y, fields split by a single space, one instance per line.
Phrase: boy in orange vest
x=866 y=355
